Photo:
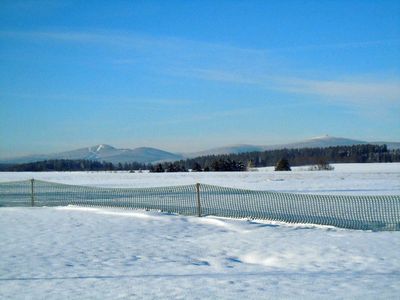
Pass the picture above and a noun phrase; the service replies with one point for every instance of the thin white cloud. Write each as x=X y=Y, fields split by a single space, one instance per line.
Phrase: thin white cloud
x=348 y=45
x=365 y=91
x=144 y=102
x=350 y=90
x=129 y=38
x=109 y=39
x=225 y=63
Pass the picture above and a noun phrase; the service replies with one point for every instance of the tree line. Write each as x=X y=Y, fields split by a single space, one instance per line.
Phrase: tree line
x=300 y=157
x=220 y=164
x=72 y=165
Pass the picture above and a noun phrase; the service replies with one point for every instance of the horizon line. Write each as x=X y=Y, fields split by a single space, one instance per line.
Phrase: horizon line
x=194 y=152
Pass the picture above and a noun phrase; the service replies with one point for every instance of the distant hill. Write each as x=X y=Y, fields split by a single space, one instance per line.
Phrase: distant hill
x=390 y=145
x=104 y=152
x=316 y=142
x=147 y=155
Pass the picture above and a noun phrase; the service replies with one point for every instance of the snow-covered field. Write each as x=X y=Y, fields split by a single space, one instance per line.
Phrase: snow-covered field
x=84 y=253
x=88 y=253
x=357 y=179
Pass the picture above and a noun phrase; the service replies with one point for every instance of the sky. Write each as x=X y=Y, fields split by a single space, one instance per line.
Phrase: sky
x=190 y=75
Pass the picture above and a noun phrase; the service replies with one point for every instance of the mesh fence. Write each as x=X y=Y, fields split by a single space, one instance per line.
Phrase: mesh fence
x=354 y=212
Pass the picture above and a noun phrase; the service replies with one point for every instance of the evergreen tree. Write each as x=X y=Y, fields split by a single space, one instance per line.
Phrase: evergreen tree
x=197 y=167
x=157 y=169
x=283 y=165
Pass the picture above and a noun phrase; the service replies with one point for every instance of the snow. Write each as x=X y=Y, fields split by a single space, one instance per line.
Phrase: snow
x=89 y=253
x=351 y=179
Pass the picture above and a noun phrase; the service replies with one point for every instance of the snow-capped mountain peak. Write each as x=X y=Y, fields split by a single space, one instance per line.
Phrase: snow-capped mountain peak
x=322 y=137
x=100 y=147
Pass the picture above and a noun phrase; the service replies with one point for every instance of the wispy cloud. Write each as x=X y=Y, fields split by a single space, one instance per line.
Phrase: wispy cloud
x=159 y=54
x=230 y=64
x=105 y=38
x=347 y=45
x=132 y=40
x=353 y=90
x=139 y=102
x=128 y=39
x=349 y=90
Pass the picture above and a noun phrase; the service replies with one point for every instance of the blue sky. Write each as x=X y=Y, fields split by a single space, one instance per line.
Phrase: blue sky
x=190 y=75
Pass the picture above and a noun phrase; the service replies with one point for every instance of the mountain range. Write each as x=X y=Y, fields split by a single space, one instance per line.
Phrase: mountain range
x=105 y=152
x=108 y=153
x=316 y=142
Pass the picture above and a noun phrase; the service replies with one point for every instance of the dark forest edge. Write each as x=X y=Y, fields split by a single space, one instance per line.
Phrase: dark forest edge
x=226 y=162
x=71 y=165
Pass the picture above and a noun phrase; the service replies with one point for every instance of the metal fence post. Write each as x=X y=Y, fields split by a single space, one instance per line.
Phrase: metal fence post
x=198 y=200
x=32 y=193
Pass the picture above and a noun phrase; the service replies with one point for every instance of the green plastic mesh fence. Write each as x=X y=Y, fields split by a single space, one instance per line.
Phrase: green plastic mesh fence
x=353 y=212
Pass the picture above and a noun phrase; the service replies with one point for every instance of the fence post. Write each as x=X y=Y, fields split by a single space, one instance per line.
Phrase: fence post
x=198 y=200
x=32 y=193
